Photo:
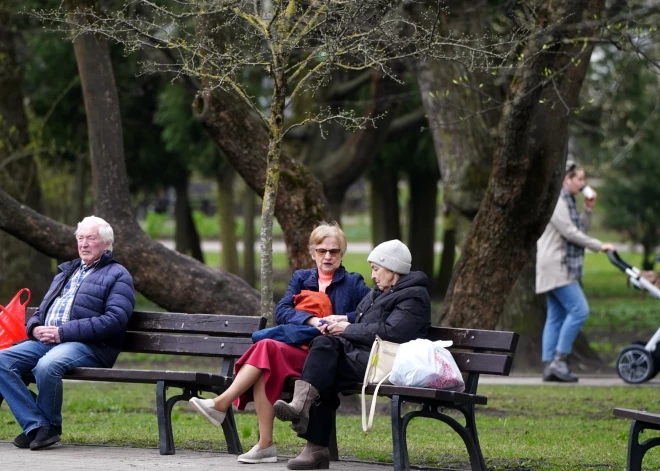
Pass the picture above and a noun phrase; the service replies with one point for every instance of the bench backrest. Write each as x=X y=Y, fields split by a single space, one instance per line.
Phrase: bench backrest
x=479 y=351
x=212 y=335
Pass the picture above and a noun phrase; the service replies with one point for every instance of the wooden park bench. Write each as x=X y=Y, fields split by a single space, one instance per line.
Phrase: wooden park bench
x=641 y=420
x=208 y=335
x=476 y=352
x=225 y=337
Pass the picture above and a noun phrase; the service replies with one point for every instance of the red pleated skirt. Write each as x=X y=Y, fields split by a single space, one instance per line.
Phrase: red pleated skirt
x=278 y=360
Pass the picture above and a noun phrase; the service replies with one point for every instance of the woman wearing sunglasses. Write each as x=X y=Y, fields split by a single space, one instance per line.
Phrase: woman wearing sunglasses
x=262 y=370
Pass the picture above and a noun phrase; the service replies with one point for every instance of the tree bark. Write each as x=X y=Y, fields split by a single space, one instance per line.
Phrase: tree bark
x=385 y=202
x=527 y=168
x=447 y=257
x=22 y=266
x=186 y=237
x=460 y=121
x=226 y=220
x=422 y=209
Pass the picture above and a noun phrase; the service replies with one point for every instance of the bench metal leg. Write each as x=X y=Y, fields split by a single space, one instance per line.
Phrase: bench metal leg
x=399 y=444
x=636 y=450
x=332 y=446
x=164 y=413
x=400 y=423
x=231 y=434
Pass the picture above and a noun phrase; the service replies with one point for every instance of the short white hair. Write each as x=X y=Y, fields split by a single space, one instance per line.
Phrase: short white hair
x=105 y=230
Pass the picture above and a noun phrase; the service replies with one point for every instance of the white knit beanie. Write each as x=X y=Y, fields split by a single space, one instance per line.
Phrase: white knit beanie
x=393 y=255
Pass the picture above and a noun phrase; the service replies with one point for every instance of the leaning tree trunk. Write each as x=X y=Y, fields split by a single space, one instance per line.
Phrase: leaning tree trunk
x=300 y=202
x=172 y=280
x=186 y=237
x=527 y=168
x=20 y=265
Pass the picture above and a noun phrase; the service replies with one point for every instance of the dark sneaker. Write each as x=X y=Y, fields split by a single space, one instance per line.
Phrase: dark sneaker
x=46 y=436
x=24 y=440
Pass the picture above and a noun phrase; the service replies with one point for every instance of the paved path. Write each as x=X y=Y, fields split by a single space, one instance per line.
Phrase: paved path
x=585 y=380
x=66 y=457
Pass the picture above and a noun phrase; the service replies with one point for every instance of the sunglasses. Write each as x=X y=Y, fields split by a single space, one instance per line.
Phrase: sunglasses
x=571 y=167
x=333 y=252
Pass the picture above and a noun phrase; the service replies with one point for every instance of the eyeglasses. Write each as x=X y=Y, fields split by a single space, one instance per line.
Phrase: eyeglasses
x=333 y=252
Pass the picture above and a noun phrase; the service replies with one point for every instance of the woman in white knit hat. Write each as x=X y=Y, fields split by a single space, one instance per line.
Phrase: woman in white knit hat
x=397 y=309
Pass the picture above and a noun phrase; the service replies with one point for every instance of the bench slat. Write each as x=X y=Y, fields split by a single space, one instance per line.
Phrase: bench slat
x=195 y=323
x=640 y=415
x=426 y=393
x=145 y=376
x=150 y=342
x=492 y=340
x=208 y=324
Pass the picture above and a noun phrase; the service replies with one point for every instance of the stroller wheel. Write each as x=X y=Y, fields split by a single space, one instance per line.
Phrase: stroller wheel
x=635 y=364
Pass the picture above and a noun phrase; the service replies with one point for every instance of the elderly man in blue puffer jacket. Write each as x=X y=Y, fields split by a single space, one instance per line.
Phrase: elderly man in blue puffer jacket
x=80 y=323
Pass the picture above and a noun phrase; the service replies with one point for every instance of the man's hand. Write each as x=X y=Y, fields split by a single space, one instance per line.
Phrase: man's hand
x=47 y=335
x=607 y=248
x=337 y=328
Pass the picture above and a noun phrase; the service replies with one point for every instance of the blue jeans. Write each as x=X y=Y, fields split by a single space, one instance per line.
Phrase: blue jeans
x=567 y=311
x=48 y=364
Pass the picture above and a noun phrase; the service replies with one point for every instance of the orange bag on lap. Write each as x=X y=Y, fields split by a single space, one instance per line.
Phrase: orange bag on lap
x=12 y=320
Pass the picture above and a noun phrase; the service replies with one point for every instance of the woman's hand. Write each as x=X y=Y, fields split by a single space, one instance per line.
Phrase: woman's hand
x=333 y=319
x=337 y=328
x=314 y=322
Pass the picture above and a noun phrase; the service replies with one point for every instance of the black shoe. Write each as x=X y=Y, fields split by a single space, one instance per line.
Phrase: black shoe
x=46 y=436
x=24 y=440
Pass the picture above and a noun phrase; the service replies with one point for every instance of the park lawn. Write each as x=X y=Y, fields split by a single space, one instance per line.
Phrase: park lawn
x=555 y=428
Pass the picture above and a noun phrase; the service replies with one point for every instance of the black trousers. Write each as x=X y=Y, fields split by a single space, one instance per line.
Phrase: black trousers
x=327 y=369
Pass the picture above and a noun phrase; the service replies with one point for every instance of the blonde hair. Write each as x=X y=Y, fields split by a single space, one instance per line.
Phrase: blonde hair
x=327 y=229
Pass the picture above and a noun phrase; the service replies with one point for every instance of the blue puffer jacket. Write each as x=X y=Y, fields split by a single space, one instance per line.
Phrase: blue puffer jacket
x=345 y=292
x=101 y=307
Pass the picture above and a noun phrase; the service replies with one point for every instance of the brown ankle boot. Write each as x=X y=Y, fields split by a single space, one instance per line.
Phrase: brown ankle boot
x=312 y=457
x=297 y=411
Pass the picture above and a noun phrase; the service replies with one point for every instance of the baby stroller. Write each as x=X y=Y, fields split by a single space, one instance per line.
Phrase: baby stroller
x=638 y=362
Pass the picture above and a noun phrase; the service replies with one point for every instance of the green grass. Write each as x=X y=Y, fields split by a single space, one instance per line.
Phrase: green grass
x=551 y=428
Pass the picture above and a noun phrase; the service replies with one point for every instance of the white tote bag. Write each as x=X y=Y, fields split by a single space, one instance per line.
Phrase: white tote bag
x=379 y=368
x=424 y=364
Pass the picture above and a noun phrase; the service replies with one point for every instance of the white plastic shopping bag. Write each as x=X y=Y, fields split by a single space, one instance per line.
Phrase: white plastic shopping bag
x=424 y=364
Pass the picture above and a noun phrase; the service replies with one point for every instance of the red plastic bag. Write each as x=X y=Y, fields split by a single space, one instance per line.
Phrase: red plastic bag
x=12 y=320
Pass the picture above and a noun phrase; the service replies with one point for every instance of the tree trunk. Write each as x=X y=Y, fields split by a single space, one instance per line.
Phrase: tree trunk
x=226 y=220
x=249 y=213
x=447 y=257
x=385 y=197
x=422 y=209
x=21 y=265
x=186 y=237
x=527 y=168
x=457 y=109
x=276 y=123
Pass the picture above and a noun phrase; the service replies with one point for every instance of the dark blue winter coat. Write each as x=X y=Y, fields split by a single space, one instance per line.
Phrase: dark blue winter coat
x=101 y=307
x=345 y=292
